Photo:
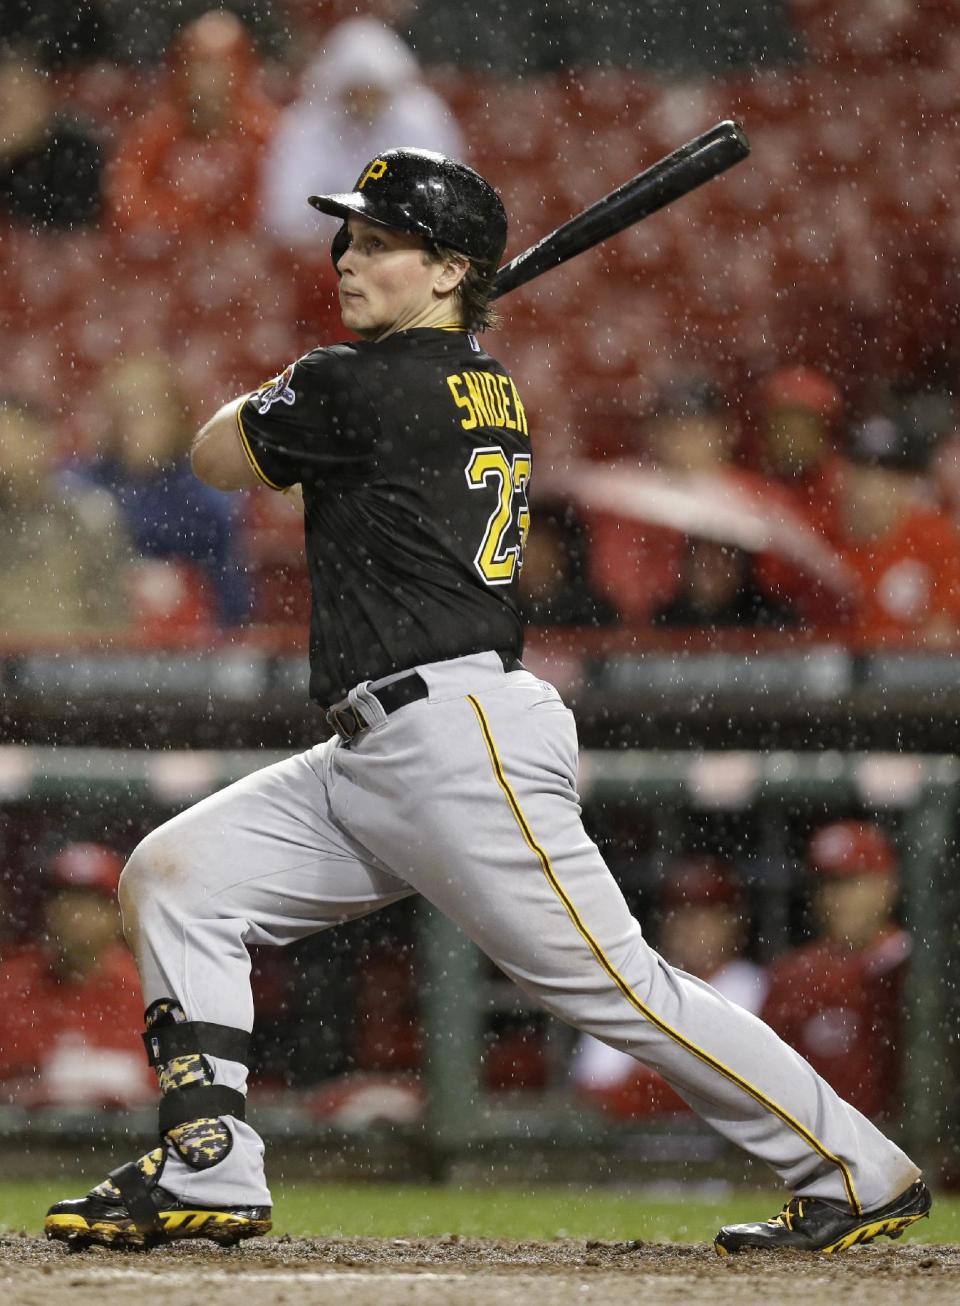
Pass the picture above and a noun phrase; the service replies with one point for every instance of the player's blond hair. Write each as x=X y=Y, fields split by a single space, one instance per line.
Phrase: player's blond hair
x=474 y=291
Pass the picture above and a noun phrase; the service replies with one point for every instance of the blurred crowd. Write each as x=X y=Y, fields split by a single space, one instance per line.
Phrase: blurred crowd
x=716 y=450
x=342 y=1024
x=836 y=997
x=814 y=518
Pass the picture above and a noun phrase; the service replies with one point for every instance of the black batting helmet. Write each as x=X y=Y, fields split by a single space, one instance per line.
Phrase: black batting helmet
x=426 y=193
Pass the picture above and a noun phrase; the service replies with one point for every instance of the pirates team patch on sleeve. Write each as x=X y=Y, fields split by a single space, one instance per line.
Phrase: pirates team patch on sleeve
x=277 y=391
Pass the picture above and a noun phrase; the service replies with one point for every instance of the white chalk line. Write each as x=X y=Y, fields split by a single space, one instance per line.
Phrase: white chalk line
x=81 y=1276
x=187 y=1277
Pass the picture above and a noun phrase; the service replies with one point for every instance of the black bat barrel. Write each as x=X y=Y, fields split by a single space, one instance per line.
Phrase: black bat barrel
x=680 y=172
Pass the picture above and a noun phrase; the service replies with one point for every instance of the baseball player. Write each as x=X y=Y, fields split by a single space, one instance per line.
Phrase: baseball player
x=450 y=772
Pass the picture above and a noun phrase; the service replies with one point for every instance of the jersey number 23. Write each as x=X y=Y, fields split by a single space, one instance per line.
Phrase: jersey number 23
x=496 y=560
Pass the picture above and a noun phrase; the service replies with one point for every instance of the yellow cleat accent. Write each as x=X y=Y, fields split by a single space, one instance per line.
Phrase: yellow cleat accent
x=866 y=1234
x=810 y=1224
x=224 y=1227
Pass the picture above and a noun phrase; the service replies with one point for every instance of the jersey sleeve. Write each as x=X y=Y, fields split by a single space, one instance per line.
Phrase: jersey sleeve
x=310 y=422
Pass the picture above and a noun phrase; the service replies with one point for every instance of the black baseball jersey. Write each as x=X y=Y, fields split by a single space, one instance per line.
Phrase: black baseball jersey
x=414 y=457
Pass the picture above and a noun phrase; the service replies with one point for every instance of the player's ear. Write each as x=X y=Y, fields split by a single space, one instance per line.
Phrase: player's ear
x=453 y=268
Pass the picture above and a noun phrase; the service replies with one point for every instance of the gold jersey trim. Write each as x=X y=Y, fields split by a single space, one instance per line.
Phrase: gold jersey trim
x=245 y=444
x=611 y=971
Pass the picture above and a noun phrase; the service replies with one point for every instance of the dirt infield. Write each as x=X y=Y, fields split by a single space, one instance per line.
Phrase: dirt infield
x=452 y=1271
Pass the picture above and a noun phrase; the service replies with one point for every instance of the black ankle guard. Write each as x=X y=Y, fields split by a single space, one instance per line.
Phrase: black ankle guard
x=195 y=1037
x=181 y=1105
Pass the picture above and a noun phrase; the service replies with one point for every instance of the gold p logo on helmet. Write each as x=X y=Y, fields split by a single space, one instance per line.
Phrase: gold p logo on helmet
x=376 y=170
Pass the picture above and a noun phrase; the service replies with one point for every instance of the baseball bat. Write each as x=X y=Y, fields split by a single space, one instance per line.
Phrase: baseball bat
x=679 y=173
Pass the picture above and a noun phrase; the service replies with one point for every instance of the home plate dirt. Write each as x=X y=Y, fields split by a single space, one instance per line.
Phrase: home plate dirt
x=452 y=1271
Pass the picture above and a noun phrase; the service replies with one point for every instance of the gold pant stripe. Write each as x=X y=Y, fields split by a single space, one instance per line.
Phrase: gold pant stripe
x=625 y=988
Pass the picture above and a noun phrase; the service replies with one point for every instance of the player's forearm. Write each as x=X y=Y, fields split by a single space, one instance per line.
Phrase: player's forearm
x=217 y=455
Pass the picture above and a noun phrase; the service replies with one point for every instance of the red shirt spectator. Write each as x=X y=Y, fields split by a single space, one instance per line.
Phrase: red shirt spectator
x=684 y=540
x=905 y=552
x=836 y=999
x=193 y=160
x=71 y=1039
x=814 y=499
x=641 y=522
x=836 y=1006
x=70 y=1007
x=637 y=564
x=802 y=473
x=911 y=580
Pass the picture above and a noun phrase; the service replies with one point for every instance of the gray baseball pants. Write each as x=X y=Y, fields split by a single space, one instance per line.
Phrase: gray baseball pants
x=468 y=797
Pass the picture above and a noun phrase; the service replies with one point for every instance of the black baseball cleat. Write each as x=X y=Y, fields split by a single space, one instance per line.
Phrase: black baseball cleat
x=812 y=1224
x=130 y=1209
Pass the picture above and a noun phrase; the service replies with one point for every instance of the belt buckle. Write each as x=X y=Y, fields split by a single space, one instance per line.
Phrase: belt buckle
x=343 y=726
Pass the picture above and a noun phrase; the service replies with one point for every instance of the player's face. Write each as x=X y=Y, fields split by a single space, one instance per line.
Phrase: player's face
x=81 y=924
x=795 y=441
x=388 y=282
x=852 y=910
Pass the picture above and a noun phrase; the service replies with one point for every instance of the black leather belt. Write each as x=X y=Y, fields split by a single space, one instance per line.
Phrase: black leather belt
x=407 y=688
